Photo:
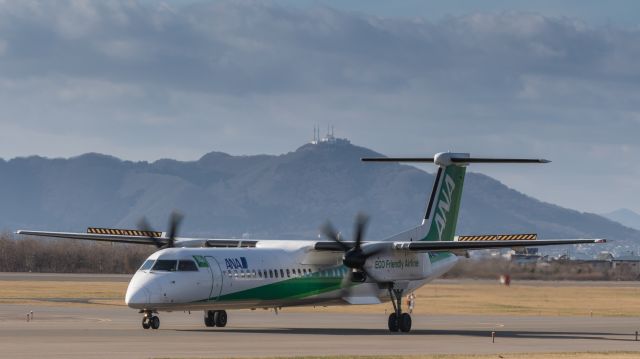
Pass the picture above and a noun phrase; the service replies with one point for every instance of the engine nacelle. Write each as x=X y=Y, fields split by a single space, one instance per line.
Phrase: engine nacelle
x=399 y=265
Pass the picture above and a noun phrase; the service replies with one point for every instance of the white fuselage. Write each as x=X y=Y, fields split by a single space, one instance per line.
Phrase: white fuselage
x=272 y=274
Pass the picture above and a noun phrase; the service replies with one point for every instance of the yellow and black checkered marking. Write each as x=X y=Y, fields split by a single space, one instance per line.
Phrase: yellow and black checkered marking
x=124 y=232
x=499 y=237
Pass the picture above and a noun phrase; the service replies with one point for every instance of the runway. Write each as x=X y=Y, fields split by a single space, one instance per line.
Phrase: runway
x=92 y=331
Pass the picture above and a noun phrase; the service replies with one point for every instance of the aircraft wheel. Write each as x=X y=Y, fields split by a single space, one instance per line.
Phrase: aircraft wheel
x=155 y=322
x=393 y=322
x=220 y=318
x=405 y=322
x=209 y=319
x=145 y=323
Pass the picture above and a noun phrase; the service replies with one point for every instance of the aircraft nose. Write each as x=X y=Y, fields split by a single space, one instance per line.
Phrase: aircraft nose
x=137 y=297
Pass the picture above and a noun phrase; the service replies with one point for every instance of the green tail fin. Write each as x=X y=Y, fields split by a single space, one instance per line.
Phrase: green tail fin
x=444 y=204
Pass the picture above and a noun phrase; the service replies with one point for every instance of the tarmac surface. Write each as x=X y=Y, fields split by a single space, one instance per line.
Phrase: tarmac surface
x=77 y=330
x=92 y=331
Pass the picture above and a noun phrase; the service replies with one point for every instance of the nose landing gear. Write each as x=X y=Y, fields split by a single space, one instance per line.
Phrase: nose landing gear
x=215 y=318
x=398 y=321
x=150 y=321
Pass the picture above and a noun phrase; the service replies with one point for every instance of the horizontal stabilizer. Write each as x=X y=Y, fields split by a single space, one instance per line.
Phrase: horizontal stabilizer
x=460 y=160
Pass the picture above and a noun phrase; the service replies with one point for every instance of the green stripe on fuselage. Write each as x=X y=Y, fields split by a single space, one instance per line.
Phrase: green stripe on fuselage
x=294 y=288
x=302 y=287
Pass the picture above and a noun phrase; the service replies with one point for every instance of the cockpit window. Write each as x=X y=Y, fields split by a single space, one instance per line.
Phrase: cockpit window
x=147 y=264
x=187 y=266
x=165 y=265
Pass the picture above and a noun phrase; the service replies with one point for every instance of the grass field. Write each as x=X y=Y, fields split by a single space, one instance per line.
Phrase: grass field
x=449 y=297
x=62 y=292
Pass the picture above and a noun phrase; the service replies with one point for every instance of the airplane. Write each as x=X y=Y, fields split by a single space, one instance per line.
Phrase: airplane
x=215 y=275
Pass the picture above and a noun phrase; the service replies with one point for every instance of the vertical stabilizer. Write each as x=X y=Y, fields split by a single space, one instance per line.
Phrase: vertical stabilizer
x=444 y=203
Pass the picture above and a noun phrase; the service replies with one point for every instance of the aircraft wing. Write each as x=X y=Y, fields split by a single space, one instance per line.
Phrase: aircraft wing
x=133 y=236
x=429 y=246
x=434 y=246
x=140 y=238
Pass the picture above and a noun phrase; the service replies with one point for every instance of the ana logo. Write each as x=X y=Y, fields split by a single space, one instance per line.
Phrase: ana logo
x=444 y=204
x=236 y=263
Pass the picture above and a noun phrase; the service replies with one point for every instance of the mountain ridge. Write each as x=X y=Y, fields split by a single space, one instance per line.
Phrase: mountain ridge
x=270 y=196
x=625 y=217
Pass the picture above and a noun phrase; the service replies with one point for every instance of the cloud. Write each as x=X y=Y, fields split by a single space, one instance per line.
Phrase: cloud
x=145 y=80
x=255 y=47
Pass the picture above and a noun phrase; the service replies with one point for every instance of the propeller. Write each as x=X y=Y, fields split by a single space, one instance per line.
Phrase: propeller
x=354 y=256
x=174 y=224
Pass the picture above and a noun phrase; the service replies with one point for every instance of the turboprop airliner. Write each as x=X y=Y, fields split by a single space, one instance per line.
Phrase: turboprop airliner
x=214 y=275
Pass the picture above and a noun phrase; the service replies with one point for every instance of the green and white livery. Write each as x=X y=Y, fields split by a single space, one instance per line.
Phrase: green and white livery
x=214 y=275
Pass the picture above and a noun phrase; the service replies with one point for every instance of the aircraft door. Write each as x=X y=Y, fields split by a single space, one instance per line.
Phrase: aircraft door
x=216 y=275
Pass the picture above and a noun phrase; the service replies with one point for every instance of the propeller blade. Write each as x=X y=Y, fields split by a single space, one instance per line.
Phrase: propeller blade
x=331 y=233
x=143 y=225
x=174 y=224
x=361 y=225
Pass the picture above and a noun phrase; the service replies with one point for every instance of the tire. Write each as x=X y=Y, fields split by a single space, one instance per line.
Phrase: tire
x=393 y=322
x=209 y=319
x=220 y=318
x=405 y=322
x=145 y=323
x=155 y=322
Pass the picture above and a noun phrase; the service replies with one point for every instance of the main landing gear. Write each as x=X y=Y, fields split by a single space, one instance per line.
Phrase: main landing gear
x=398 y=321
x=215 y=318
x=150 y=321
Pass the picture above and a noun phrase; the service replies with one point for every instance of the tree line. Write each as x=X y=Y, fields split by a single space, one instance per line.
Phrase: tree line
x=69 y=256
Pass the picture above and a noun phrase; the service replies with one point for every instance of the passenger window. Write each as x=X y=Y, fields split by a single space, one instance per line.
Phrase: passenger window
x=165 y=265
x=288 y=273
x=270 y=273
x=259 y=273
x=276 y=273
x=187 y=266
x=147 y=264
x=281 y=273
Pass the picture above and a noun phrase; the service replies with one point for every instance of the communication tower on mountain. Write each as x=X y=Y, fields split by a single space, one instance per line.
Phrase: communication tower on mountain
x=329 y=138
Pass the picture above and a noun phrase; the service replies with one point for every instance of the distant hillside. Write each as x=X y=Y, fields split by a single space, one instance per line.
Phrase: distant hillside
x=625 y=217
x=287 y=196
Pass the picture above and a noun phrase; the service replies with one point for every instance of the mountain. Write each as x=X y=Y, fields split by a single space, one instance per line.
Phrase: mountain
x=265 y=196
x=625 y=217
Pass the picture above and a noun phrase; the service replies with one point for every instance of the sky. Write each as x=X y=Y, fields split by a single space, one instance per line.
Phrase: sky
x=144 y=80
